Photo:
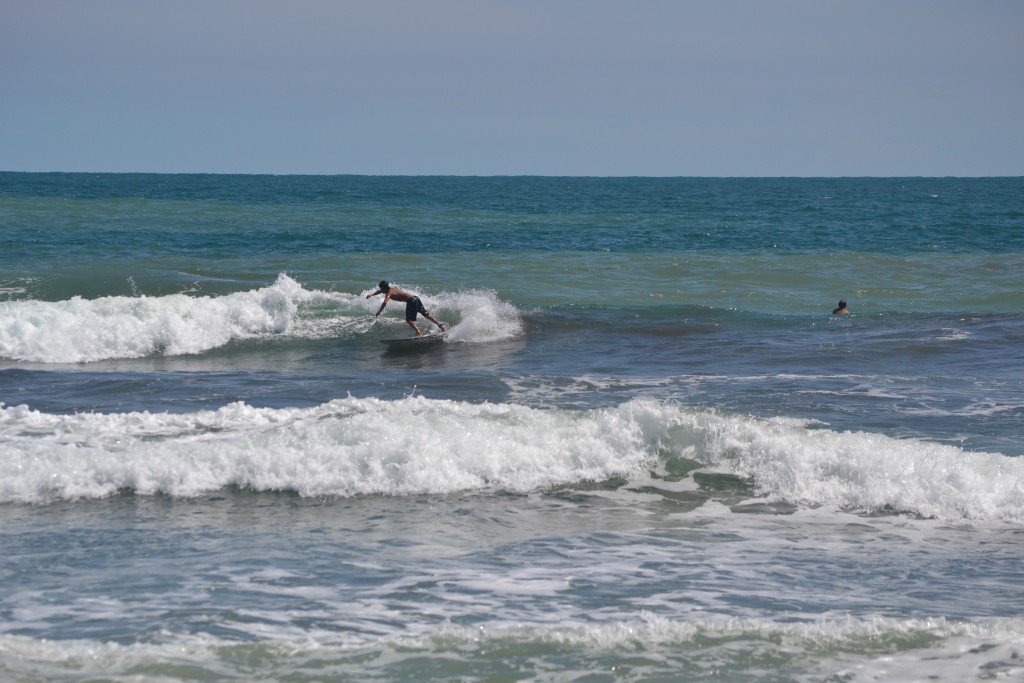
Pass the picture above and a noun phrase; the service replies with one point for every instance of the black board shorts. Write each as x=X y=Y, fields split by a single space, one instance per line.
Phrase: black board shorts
x=412 y=307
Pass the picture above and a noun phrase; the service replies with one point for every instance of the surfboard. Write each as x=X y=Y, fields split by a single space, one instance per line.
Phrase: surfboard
x=412 y=342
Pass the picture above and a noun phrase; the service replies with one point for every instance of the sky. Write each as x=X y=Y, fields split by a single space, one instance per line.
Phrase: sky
x=514 y=87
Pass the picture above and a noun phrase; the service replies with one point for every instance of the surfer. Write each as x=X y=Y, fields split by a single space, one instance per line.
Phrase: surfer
x=842 y=308
x=413 y=305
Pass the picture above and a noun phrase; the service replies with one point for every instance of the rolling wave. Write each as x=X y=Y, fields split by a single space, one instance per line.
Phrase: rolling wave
x=81 y=330
x=415 y=445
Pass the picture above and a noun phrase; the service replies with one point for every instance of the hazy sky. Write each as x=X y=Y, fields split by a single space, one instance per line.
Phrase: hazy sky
x=483 y=87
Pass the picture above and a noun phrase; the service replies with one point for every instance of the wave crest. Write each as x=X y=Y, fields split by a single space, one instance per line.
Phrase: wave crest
x=85 y=330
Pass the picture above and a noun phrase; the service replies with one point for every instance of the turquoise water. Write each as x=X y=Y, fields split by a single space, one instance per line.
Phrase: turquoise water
x=647 y=451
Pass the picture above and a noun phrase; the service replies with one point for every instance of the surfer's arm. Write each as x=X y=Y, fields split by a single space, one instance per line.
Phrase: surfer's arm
x=387 y=297
x=383 y=303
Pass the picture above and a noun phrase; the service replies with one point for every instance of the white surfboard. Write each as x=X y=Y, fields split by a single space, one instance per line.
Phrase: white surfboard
x=423 y=340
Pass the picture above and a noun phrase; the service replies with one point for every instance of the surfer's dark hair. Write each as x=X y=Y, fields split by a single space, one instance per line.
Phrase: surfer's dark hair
x=384 y=286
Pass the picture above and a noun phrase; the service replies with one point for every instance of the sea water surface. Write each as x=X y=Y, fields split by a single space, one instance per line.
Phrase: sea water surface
x=645 y=452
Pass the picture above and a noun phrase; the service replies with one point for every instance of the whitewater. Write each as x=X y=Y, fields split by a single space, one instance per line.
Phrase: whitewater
x=347 y=447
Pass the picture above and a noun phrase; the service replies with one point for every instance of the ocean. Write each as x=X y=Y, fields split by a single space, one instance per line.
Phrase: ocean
x=646 y=451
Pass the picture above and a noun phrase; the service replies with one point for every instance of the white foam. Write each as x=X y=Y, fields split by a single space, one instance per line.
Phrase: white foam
x=483 y=317
x=417 y=445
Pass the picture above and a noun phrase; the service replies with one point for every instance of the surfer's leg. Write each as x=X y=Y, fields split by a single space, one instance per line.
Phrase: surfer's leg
x=440 y=325
x=411 y=308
